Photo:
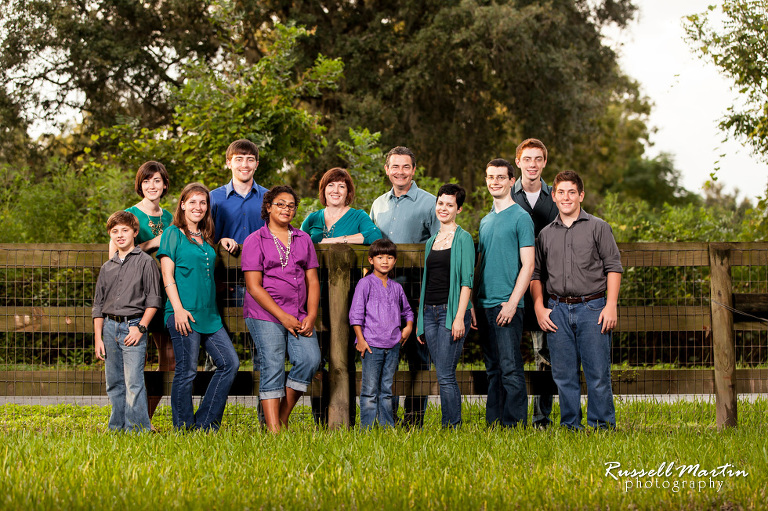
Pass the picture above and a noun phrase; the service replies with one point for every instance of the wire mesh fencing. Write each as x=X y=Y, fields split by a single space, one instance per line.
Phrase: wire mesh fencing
x=663 y=348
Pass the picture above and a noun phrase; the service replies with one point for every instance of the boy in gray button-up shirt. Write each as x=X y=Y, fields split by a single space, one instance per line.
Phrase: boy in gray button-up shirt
x=127 y=297
x=577 y=256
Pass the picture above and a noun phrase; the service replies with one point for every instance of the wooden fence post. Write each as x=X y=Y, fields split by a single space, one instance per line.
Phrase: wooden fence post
x=341 y=258
x=723 y=341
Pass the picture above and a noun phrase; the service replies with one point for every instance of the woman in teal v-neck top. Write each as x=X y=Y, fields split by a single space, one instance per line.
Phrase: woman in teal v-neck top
x=186 y=259
x=337 y=222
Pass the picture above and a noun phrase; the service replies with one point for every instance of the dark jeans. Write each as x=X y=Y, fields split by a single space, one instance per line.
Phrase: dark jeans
x=507 y=402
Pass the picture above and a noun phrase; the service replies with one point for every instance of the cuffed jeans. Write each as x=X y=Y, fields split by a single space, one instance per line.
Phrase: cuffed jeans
x=445 y=353
x=507 y=402
x=578 y=340
x=187 y=350
x=273 y=340
x=124 y=368
x=379 y=368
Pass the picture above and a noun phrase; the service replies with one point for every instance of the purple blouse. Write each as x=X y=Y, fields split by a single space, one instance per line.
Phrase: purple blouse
x=285 y=285
x=379 y=310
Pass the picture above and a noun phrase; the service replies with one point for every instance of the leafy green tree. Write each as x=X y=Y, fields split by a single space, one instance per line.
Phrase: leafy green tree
x=738 y=45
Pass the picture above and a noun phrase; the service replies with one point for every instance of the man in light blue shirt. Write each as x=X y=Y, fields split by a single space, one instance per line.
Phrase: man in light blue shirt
x=406 y=214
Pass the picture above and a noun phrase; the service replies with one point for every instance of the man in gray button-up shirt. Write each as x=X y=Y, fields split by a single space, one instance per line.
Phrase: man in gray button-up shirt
x=406 y=214
x=579 y=257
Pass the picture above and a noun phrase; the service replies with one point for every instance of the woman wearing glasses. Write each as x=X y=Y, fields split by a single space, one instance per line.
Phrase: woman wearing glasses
x=337 y=222
x=280 y=308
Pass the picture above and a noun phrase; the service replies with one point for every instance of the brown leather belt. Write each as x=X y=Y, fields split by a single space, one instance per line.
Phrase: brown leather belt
x=579 y=299
x=123 y=319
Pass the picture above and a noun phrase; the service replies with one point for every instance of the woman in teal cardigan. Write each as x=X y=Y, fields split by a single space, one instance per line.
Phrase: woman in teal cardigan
x=445 y=313
x=337 y=222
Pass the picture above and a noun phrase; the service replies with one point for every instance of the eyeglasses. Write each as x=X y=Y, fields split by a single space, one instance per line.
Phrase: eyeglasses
x=285 y=205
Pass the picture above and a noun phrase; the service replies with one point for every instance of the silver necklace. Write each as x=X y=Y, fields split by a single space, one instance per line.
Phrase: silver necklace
x=443 y=244
x=282 y=253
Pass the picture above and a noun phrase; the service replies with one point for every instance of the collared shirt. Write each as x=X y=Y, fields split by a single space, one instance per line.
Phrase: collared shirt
x=409 y=218
x=354 y=221
x=379 y=311
x=543 y=212
x=501 y=237
x=286 y=286
x=576 y=260
x=235 y=216
x=193 y=274
x=128 y=287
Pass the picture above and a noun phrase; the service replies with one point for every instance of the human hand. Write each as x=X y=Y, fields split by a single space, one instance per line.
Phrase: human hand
x=608 y=317
x=306 y=327
x=419 y=338
x=473 y=324
x=100 y=352
x=542 y=316
x=291 y=324
x=133 y=337
x=229 y=245
x=406 y=332
x=362 y=347
x=181 y=319
x=457 y=328
x=506 y=314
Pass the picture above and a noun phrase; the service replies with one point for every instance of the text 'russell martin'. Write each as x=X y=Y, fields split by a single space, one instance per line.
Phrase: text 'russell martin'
x=671 y=476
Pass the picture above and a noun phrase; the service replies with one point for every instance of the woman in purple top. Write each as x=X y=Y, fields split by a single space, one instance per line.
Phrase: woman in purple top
x=280 y=308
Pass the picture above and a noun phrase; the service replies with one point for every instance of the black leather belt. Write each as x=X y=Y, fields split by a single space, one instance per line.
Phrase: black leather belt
x=579 y=299
x=123 y=319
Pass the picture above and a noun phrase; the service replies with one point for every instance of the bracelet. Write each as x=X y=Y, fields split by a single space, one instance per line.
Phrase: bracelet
x=171 y=284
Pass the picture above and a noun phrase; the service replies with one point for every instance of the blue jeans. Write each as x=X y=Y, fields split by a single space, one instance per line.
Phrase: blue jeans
x=507 y=402
x=124 y=368
x=379 y=368
x=187 y=350
x=542 y=405
x=273 y=340
x=578 y=340
x=445 y=353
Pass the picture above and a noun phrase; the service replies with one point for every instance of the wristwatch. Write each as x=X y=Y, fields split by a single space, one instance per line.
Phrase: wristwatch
x=142 y=329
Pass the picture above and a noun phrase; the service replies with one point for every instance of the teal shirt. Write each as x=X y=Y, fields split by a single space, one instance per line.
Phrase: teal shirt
x=462 y=275
x=146 y=232
x=354 y=221
x=194 y=279
x=502 y=235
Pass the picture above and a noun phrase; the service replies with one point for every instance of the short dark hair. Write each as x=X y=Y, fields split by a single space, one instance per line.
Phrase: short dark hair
x=147 y=170
x=501 y=162
x=528 y=143
x=270 y=196
x=242 y=146
x=453 y=189
x=402 y=151
x=571 y=177
x=334 y=175
x=382 y=246
x=123 y=218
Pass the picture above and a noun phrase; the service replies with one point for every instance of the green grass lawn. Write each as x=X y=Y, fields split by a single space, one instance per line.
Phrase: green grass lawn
x=60 y=457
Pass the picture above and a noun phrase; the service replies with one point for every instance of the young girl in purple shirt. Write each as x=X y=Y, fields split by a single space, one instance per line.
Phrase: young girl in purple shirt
x=280 y=308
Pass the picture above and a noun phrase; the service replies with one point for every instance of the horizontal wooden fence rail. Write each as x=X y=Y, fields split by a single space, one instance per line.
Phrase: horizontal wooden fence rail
x=710 y=316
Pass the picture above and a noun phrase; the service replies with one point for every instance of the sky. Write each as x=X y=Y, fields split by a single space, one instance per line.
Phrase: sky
x=689 y=98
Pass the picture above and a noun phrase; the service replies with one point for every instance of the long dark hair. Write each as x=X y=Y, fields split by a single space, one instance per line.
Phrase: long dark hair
x=206 y=224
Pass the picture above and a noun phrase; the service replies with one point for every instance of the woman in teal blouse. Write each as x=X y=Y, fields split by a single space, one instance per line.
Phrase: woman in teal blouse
x=187 y=259
x=337 y=222
x=151 y=185
x=445 y=313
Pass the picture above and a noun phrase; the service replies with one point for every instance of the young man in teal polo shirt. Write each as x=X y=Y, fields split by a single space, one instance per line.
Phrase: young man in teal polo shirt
x=505 y=264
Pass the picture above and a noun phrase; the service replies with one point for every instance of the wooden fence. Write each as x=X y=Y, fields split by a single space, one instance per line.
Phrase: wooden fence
x=707 y=303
